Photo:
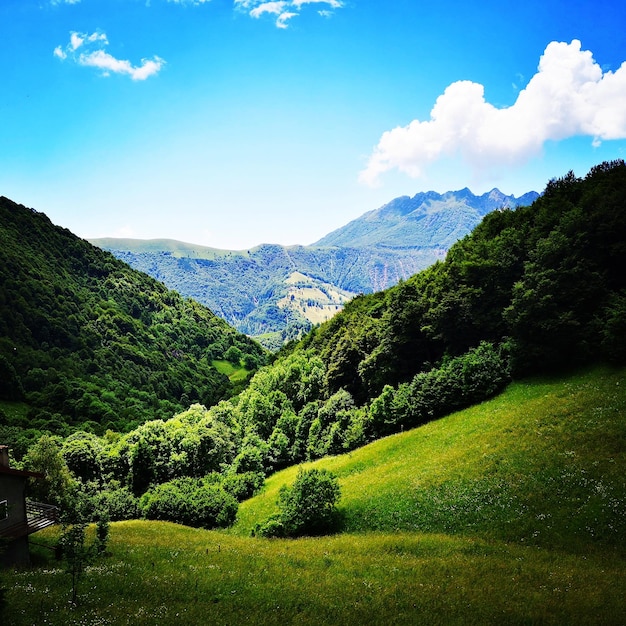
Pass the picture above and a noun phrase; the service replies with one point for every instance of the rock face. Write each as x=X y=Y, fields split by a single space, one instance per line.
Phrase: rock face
x=276 y=292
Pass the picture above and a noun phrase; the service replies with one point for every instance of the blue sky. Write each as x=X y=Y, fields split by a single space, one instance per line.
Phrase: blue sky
x=231 y=123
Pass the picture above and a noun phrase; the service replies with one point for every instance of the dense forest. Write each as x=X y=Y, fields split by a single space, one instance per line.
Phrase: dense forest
x=85 y=341
x=532 y=289
x=544 y=281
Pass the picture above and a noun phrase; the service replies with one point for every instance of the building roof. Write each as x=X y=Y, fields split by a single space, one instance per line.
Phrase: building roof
x=23 y=473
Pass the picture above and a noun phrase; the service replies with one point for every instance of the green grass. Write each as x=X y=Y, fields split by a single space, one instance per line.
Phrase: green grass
x=512 y=512
x=235 y=373
x=541 y=464
x=160 y=573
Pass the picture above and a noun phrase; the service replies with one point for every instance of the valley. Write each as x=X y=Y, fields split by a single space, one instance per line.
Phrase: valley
x=465 y=424
x=252 y=289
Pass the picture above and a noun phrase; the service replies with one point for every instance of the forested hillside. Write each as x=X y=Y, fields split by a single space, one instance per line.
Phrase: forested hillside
x=533 y=289
x=256 y=292
x=544 y=282
x=252 y=289
x=537 y=289
x=87 y=341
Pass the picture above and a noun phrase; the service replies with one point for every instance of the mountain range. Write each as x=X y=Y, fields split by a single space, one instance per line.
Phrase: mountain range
x=275 y=293
x=529 y=483
x=428 y=220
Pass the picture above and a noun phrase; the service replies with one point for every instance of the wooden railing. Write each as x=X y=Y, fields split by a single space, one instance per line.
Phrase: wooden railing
x=38 y=516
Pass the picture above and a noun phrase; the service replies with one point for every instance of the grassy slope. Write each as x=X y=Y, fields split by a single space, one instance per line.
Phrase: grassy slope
x=541 y=464
x=510 y=512
x=234 y=373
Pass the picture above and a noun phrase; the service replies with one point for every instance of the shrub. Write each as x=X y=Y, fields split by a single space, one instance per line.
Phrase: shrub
x=212 y=507
x=190 y=502
x=81 y=451
x=77 y=554
x=249 y=459
x=243 y=486
x=306 y=508
x=119 y=504
x=613 y=328
x=165 y=502
x=234 y=355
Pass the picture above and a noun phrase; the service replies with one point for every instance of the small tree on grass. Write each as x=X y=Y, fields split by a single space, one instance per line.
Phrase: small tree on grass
x=306 y=508
x=102 y=535
x=77 y=555
x=234 y=355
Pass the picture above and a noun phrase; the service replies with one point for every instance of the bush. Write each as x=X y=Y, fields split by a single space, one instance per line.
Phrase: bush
x=212 y=507
x=190 y=502
x=249 y=459
x=119 y=504
x=613 y=328
x=306 y=508
x=243 y=486
x=77 y=554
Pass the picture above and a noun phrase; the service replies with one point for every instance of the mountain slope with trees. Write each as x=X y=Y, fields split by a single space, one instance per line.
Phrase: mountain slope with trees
x=531 y=290
x=533 y=479
x=87 y=341
x=252 y=289
x=541 y=280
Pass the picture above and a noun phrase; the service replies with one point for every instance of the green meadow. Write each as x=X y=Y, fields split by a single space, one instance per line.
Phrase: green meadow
x=510 y=512
x=235 y=373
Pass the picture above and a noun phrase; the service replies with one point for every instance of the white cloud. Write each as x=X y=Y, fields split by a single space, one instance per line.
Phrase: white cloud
x=268 y=7
x=284 y=10
x=568 y=96
x=78 y=39
x=88 y=50
x=283 y=18
x=104 y=61
x=334 y=4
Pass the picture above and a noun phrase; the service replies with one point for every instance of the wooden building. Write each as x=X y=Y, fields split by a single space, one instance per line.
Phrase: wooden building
x=19 y=517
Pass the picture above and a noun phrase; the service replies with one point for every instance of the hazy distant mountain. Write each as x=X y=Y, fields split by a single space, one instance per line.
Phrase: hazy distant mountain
x=427 y=220
x=271 y=289
x=275 y=292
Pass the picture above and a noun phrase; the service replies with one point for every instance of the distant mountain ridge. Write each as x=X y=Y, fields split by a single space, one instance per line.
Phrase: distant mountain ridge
x=426 y=220
x=271 y=289
x=275 y=292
